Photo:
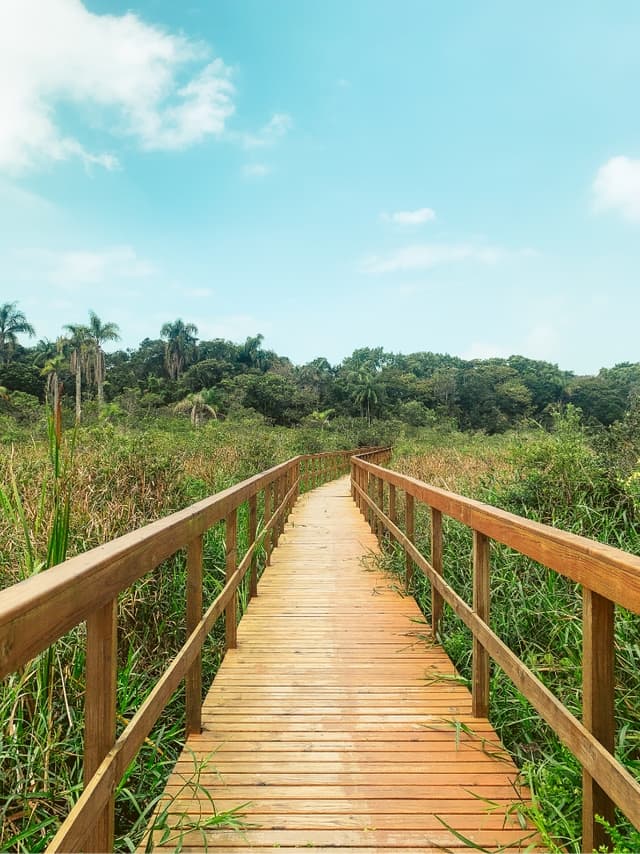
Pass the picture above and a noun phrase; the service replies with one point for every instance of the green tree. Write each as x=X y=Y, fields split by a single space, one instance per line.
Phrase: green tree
x=180 y=346
x=12 y=323
x=98 y=334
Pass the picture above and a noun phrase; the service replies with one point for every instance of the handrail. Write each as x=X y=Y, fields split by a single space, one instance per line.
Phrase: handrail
x=39 y=610
x=608 y=576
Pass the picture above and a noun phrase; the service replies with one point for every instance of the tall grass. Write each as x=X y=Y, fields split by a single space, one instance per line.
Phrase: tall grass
x=64 y=496
x=557 y=478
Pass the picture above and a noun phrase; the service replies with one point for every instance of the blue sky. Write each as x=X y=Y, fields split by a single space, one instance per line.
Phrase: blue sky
x=459 y=177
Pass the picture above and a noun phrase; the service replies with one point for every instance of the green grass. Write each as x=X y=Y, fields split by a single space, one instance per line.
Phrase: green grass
x=559 y=479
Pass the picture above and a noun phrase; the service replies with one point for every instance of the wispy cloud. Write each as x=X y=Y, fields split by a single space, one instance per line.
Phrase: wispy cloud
x=277 y=127
x=163 y=90
x=79 y=268
x=425 y=256
x=417 y=217
x=255 y=170
x=616 y=187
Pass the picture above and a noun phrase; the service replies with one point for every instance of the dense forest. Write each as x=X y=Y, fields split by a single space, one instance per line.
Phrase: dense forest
x=220 y=378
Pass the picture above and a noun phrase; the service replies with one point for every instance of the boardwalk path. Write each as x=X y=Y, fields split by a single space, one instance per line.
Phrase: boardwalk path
x=333 y=720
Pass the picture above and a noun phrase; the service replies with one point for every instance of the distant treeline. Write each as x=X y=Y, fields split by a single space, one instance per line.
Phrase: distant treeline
x=227 y=378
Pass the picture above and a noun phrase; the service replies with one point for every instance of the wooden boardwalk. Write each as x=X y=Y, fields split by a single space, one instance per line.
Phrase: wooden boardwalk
x=337 y=722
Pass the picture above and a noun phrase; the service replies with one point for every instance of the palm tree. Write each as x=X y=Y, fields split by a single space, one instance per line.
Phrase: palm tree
x=179 y=347
x=12 y=324
x=79 y=343
x=251 y=352
x=197 y=406
x=366 y=391
x=98 y=333
x=51 y=371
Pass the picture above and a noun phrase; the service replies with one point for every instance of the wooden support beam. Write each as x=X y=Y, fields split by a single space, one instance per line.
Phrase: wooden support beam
x=193 y=684
x=598 y=685
x=253 y=531
x=100 y=714
x=410 y=531
x=380 y=503
x=231 y=542
x=393 y=509
x=268 y=513
x=436 y=563
x=481 y=569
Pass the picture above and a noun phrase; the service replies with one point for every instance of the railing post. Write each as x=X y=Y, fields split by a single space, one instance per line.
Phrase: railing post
x=436 y=563
x=380 y=502
x=100 y=712
x=480 y=691
x=597 y=709
x=393 y=509
x=193 y=681
x=410 y=531
x=353 y=480
x=268 y=513
x=231 y=539
x=253 y=533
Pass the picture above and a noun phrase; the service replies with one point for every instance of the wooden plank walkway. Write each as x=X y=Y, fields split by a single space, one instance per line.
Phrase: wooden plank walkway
x=337 y=721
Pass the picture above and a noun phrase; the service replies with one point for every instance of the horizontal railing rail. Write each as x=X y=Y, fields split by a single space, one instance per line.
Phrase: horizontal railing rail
x=608 y=577
x=38 y=611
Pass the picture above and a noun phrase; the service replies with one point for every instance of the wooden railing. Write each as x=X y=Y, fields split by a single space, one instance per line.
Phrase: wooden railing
x=38 y=611
x=608 y=577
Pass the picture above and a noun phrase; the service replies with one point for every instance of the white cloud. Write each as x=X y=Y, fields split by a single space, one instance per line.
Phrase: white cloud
x=617 y=187
x=278 y=126
x=417 y=217
x=256 y=170
x=118 y=72
x=426 y=256
x=77 y=268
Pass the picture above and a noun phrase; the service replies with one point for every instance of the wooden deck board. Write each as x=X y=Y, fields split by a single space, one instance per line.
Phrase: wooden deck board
x=331 y=722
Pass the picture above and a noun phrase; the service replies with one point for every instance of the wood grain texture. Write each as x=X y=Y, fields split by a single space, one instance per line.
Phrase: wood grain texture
x=335 y=720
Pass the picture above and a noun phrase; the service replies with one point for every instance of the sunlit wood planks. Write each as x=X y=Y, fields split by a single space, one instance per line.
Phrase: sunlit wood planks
x=337 y=722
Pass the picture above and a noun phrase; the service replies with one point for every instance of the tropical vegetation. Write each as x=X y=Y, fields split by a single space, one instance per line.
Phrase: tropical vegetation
x=180 y=418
